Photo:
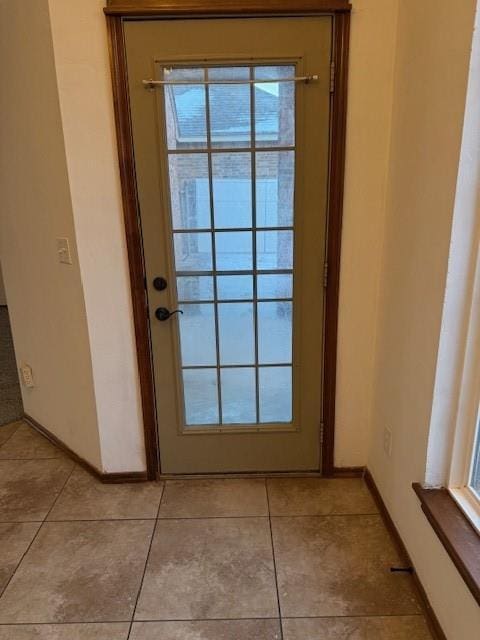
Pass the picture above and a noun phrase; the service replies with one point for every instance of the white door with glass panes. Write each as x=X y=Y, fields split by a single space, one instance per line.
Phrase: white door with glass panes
x=231 y=137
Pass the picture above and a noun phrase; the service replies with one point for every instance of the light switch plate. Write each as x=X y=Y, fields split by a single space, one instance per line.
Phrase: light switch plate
x=63 y=250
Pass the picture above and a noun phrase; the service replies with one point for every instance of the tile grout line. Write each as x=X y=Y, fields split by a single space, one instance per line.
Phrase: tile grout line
x=231 y=517
x=30 y=429
x=146 y=562
x=42 y=522
x=274 y=561
x=97 y=622
x=11 y=435
x=62 y=457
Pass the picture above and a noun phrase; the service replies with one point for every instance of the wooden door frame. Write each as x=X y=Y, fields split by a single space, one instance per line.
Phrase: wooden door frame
x=116 y=11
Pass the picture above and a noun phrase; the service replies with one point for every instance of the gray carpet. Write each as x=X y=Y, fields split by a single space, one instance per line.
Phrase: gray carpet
x=11 y=407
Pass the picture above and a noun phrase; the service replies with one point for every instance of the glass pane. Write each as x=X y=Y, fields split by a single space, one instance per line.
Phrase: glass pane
x=235 y=287
x=275 y=186
x=238 y=396
x=201 y=396
x=274 y=249
x=234 y=250
x=236 y=333
x=275 y=390
x=197 y=335
x=228 y=73
x=193 y=251
x=189 y=191
x=212 y=328
x=184 y=74
x=475 y=480
x=274 y=332
x=185 y=109
x=275 y=286
x=230 y=118
x=274 y=107
x=232 y=189
x=194 y=288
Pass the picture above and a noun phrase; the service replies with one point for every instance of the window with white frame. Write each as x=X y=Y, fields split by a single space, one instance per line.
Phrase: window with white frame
x=464 y=480
x=474 y=479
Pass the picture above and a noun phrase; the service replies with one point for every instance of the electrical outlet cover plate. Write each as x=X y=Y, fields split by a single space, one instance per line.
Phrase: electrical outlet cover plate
x=27 y=376
x=63 y=251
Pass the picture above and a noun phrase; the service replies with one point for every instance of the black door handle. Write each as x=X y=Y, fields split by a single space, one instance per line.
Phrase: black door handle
x=162 y=313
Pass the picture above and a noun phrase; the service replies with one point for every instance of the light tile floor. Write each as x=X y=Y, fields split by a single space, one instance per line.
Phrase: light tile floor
x=291 y=559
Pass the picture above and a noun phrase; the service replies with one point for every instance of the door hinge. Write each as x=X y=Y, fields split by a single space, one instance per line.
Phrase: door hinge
x=322 y=429
x=332 y=77
x=325 y=275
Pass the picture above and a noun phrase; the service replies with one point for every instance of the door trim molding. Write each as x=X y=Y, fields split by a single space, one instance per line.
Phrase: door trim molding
x=186 y=8
x=338 y=131
x=115 y=12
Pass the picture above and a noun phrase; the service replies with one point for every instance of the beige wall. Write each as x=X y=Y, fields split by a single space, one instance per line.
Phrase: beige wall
x=71 y=323
x=86 y=104
x=457 y=308
x=372 y=46
x=432 y=60
x=45 y=298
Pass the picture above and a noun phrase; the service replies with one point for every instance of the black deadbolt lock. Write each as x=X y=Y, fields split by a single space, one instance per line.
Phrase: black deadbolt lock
x=159 y=283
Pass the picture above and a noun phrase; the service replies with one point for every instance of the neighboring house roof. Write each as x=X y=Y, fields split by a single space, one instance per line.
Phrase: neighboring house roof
x=229 y=111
